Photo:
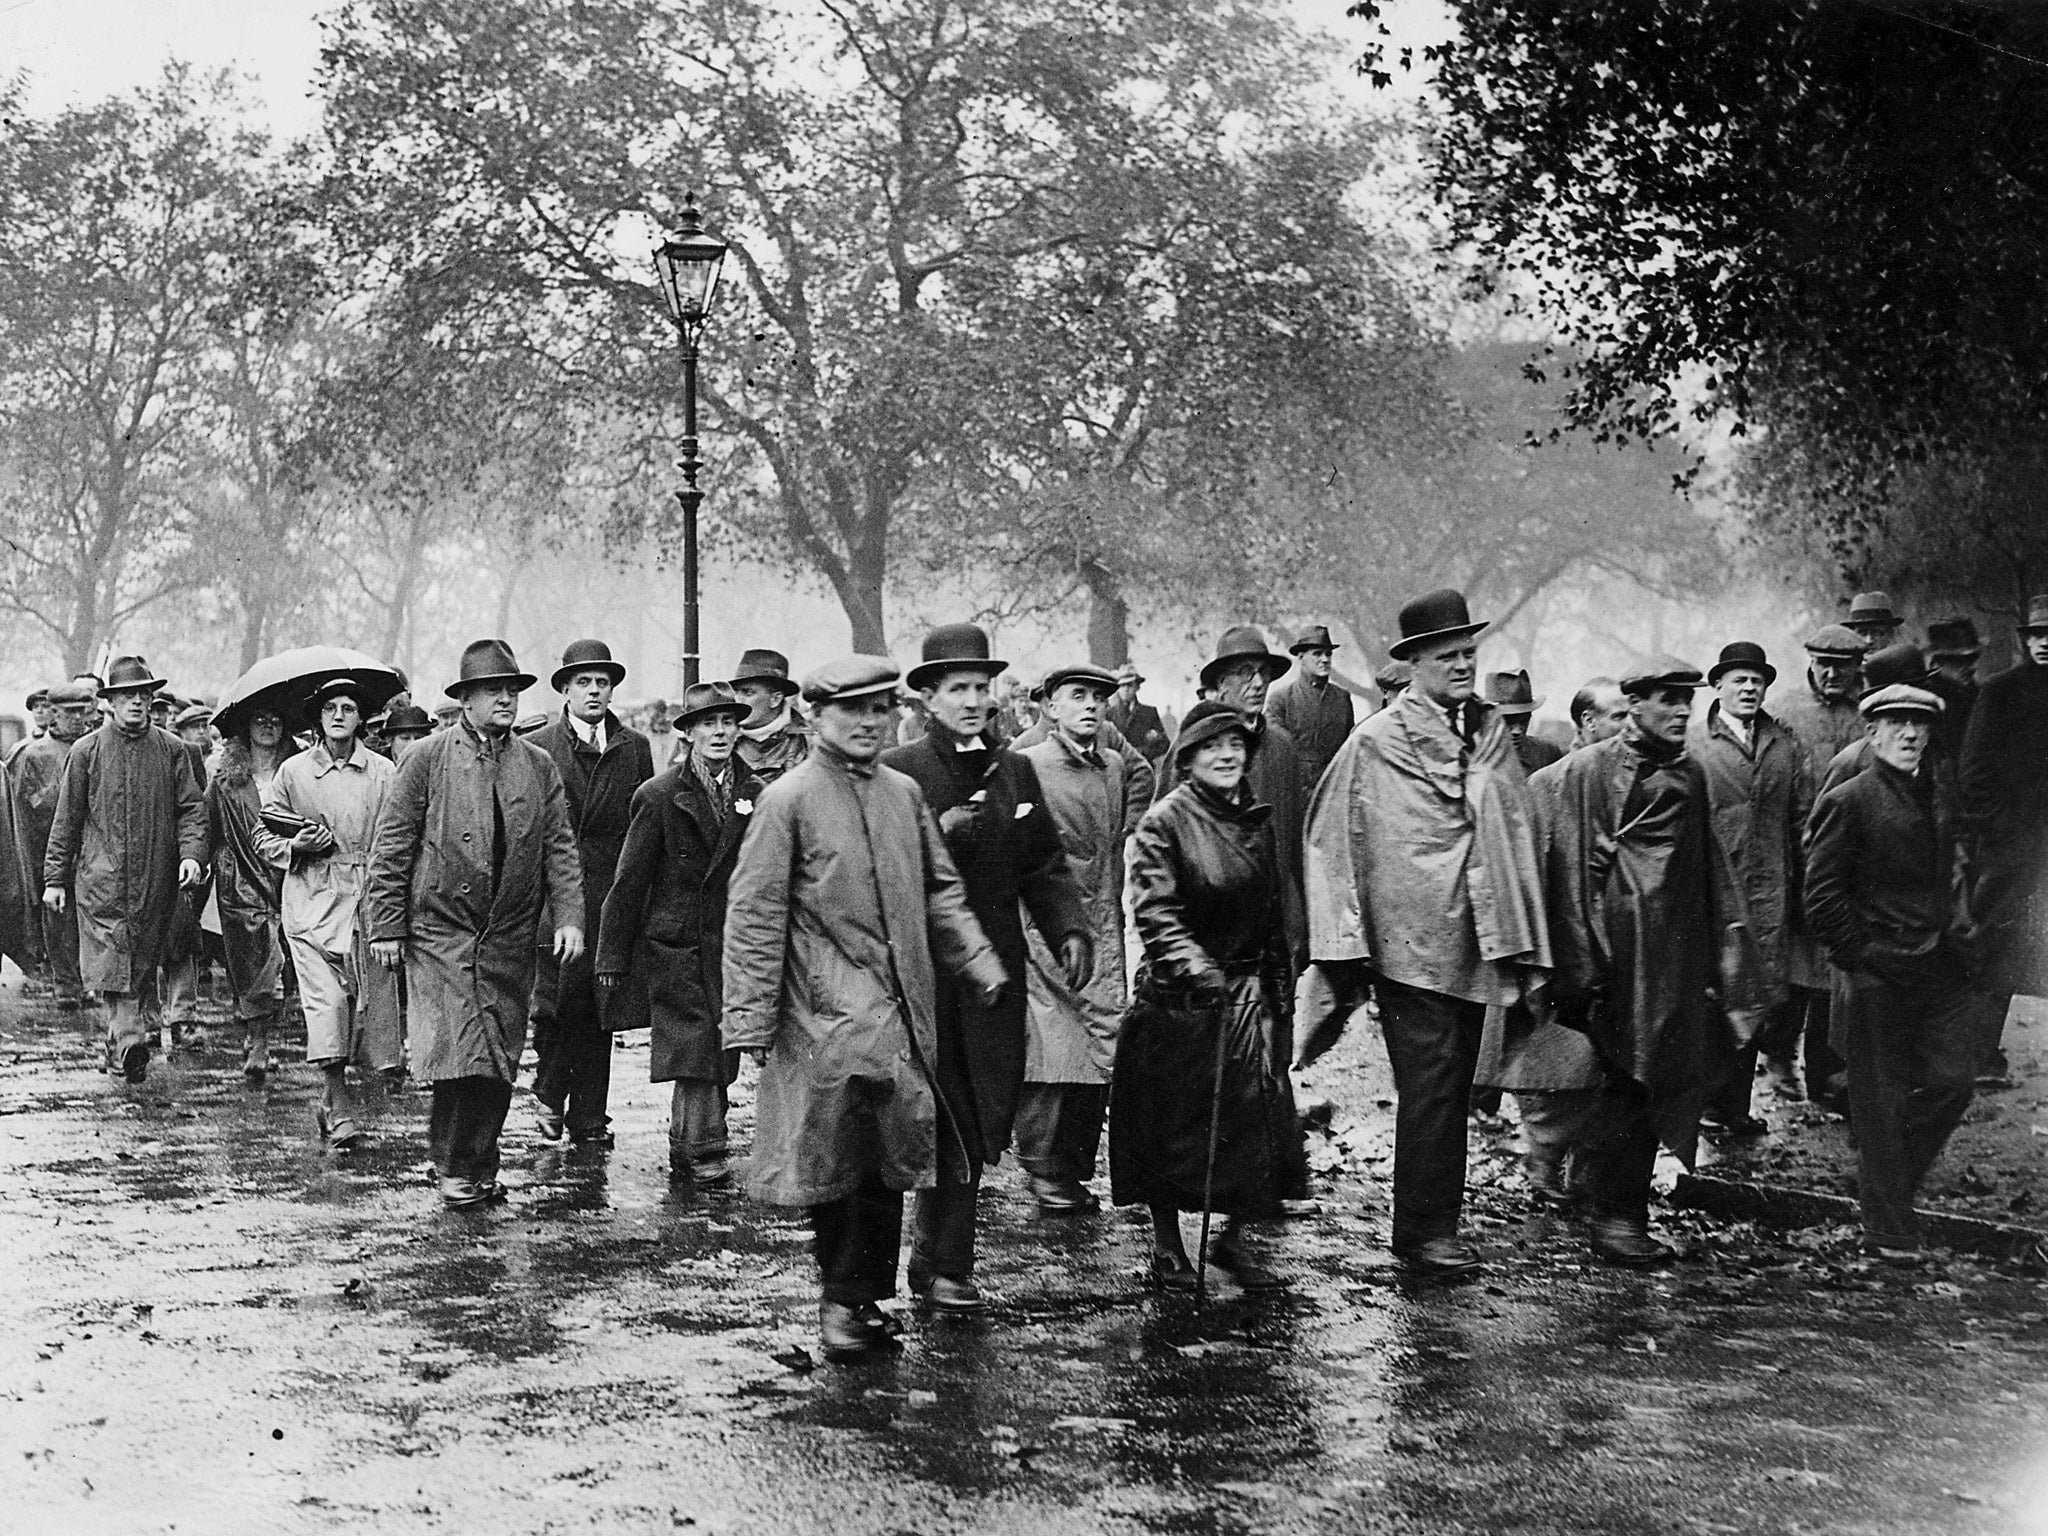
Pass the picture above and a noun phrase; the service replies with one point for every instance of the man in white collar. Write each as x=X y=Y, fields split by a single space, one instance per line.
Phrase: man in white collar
x=773 y=738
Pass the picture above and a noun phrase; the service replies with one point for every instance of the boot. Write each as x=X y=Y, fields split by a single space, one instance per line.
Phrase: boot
x=1626 y=1240
x=843 y=1334
x=256 y=1051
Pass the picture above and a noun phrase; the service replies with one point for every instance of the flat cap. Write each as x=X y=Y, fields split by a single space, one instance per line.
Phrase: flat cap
x=851 y=677
x=40 y=696
x=1652 y=672
x=1079 y=672
x=193 y=714
x=72 y=693
x=1836 y=641
x=1900 y=699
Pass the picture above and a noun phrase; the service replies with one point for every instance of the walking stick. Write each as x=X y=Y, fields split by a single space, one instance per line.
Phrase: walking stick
x=1209 y=1170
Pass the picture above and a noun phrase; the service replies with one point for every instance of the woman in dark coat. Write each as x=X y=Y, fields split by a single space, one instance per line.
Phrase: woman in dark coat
x=1214 y=985
x=664 y=921
x=247 y=885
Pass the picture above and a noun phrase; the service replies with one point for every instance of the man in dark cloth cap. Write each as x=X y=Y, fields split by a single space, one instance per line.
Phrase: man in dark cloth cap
x=773 y=737
x=1313 y=708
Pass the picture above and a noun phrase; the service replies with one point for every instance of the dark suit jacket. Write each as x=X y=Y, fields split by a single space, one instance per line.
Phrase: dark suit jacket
x=1877 y=872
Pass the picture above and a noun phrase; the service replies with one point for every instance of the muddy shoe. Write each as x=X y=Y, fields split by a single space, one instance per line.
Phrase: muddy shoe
x=1171 y=1272
x=1062 y=1197
x=130 y=1064
x=463 y=1194
x=843 y=1334
x=1622 y=1240
x=1444 y=1257
x=548 y=1121
x=1230 y=1258
x=876 y=1321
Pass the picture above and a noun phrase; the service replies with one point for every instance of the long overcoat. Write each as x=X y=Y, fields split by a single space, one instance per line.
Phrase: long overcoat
x=247 y=883
x=1139 y=778
x=664 y=918
x=1654 y=960
x=128 y=813
x=35 y=773
x=1317 y=717
x=1095 y=802
x=1824 y=727
x=1205 y=895
x=1761 y=793
x=2004 y=804
x=21 y=934
x=1009 y=857
x=1275 y=777
x=600 y=790
x=842 y=893
x=468 y=918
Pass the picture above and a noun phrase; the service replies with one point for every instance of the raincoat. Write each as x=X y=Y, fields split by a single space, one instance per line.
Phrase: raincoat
x=2004 y=805
x=467 y=908
x=1761 y=795
x=1824 y=727
x=842 y=893
x=1275 y=776
x=128 y=813
x=247 y=883
x=34 y=775
x=1319 y=718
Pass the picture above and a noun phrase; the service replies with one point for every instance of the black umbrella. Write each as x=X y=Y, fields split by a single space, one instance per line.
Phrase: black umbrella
x=285 y=683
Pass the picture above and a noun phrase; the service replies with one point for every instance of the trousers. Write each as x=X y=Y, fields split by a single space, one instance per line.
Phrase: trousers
x=696 y=1121
x=60 y=949
x=1621 y=1147
x=572 y=1070
x=1433 y=1045
x=942 y=1227
x=1556 y=1120
x=856 y=1240
x=463 y=1125
x=1059 y=1129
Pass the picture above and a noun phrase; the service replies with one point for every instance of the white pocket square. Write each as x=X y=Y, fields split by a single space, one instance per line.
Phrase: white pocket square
x=1024 y=809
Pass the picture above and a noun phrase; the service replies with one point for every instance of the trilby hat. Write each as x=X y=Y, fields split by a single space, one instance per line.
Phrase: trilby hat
x=1900 y=699
x=1836 y=642
x=2037 y=613
x=1127 y=673
x=1954 y=637
x=1080 y=672
x=1511 y=694
x=1242 y=643
x=954 y=648
x=765 y=666
x=1745 y=656
x=1653 y=672
x=1434 y=616
x=851 y=677
x=407 y=719
x=1315 y=638
x=1871 y=608
x=489 y=661
x=701 y=699
x=586 y=656
x=127 y=674
x=1208 y=720
x=1893 y=665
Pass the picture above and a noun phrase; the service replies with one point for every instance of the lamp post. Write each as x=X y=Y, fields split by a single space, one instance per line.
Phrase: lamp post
x=687 y=263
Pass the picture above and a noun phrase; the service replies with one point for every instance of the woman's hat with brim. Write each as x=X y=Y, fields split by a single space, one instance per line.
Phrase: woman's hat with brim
x=702 y=699
x=851 y=678
x=765 y=666
x=335 y=688
x=130 y=674
x=1511 y=693
x=1742 y=655
x=1208 y=720
x=1242 y=643
x=954 y=648
x=587 y=656
x=1900 y=699
x=1099 y=678
x=1434 y=617
x=489 y=661
x=1654 y=672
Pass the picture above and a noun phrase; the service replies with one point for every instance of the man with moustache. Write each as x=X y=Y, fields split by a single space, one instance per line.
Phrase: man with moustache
x=991 y=811
x=33 y=783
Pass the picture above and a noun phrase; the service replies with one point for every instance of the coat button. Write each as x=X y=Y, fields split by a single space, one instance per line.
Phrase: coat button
x=465 y=887
x=903 y=1055
x=465 y=837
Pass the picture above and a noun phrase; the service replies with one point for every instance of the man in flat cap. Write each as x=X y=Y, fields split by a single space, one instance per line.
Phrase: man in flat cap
x=1424 y=881
x=1139 y=722
x=1391 y=679
x=488 y=812
x=1760 y=785
x=36 y=775
x=1314 y=709
x=992 y=814
x=843 y=897
x=1878 y=891
x=1654 y=961
x=128 y=835
x=773 y=737
x=601 y=762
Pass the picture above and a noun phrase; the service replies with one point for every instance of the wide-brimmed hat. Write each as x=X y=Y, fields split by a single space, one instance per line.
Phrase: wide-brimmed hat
x=1242 y=643
x=1745 y=656
x=1900 y=699
x=1079 y=672
x=586 y=656
x=1894 y=665
x=765 y=666
x=701 y=699
x=1315 y=638
x=2037 y=613
x=954 y=648
x=1438 y=615
x=1872 y=608
x=130 y=674
x=1208 y=720
x=1653 y=672
x=408 y=718
x=1511 y=694
x=1954 y=637
x=1836 y=642
x=489 y=661
x=851 y=677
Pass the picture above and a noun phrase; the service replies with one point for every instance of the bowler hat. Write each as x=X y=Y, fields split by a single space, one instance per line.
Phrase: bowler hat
x=1836 y=642
x=2037 y=613
x=1746 y=656
x=851 y=677
x=1900 y=699
x=1242 y=643
x=1654 y=672
x=1895 y=664
x=489 y=661
x=1872 y=608
x=765 y=666
x=127 y=674
x=407 y=719
x=1394 y=676
x=586 y=656
x=701 y=699
x=1510 y=693
x=1315 y=638
x=1079 y=672
x=1438 y=615
x=1208 y=720
x=954 y=648
x=1953 y=637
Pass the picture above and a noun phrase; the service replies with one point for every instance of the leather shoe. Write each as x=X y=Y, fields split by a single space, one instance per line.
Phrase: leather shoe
x=460 y=1194
x=876 y=1321
x=1623 y=1240
x=946 y=1294
x=132 y=1065
x=1443 y=1256
x=1063 y=1197
x=1172 y=1272
x=1741 y=1126
x=842 y=1335
x=548 y=1121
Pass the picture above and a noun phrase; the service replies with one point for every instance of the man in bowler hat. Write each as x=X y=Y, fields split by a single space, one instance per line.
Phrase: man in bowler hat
x=1313 y=708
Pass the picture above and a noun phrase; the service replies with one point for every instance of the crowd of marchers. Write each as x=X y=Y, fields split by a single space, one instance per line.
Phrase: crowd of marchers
x=950 y=918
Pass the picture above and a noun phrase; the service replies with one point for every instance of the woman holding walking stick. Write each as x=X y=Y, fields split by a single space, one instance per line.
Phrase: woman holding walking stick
x=1200 y=1109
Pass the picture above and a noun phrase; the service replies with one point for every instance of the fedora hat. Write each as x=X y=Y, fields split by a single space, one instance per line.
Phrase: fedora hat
x=1872 y=608
x=1241 y=643
x=489 y=661
x=2037 y=613
x=1836 y=642
x=953 y=648
x=1128 y=674
x=1954 y=637
x=1081 y=672
x=1315 y=638
x=701 y=699
x=1653 y=672
x=1745 y=655
x=1438 y=615
x=765 y=666
x=1510 y=693
x=851 y=677
x=1894 y=665
x=1208 y=720
x=586 y=656
x=127 y=674
x=407 y=719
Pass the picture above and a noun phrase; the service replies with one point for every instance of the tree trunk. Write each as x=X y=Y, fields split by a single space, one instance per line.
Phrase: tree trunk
x=1109 y=616
x=255 y=619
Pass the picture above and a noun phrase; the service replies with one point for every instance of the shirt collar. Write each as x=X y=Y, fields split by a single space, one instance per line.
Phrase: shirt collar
x=324 y=763
x=590 y=732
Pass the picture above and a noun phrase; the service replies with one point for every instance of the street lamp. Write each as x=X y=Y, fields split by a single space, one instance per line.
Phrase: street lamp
x=687 y=264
